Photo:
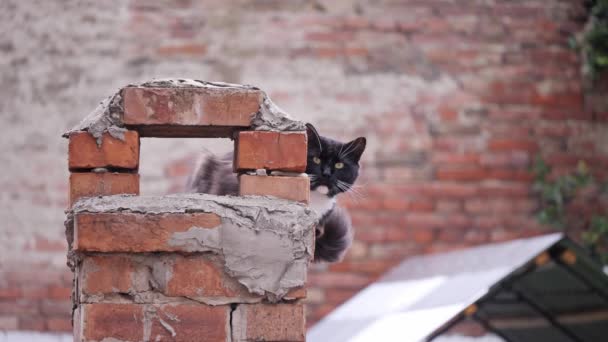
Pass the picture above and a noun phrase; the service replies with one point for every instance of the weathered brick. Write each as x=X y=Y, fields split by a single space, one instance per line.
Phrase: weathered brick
x=140 y=322
x=269 y=322
x=291 y=188
x=296 y=293
x=131 y=232
x=201 y=276
x=88 y=184
x=191 y=322
x=84 y=153
x=271 y=150
x=172 y=275
x=189 y=109
x=101 y=274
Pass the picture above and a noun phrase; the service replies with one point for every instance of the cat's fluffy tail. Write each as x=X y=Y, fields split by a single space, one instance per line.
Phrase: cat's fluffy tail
x=213 y=175
x=334 y=236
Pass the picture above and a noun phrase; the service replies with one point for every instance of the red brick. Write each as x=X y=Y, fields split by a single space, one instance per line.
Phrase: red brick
x=394 y=251
x=495 y=206
x=461 y=175
x=396 y=204
x=424 y=220
x=448 y=113
x=333 y=36
x=451 y=235
x=291 y=188
x=90 y=184
x=119 y=321
x=106 y=274
x=60 y=292
x=131 y=232
x=54 y=307
x=339 y=296
x=10 y=293
x=183 y=50
x=367 y=266
x=8 y=323
x=271 y=150
x=215 y=106
x=422 y=205
x=200 y=276
x=423 y=236
x=338 y=280
x=296 y=293
x=269 y=322
x=179 y=168
x=35 y=292
x=84 y=153
x=363 y=204
x=32 y=323
x=511 y=175
x=509 y=145
x=514 y=159
x=370 y=235
x=59 y=324
x=448 y=206
x=20 y=307
x=451 y=159
x=190 y=322
x=45 y=245
x=450 y=190
x=398 y=233
x=137 y=322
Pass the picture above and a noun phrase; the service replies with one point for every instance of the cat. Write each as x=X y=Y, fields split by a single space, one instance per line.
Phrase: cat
x=333 y=168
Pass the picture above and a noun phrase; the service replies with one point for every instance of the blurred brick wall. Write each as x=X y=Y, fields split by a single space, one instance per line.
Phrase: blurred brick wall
x=455 y=97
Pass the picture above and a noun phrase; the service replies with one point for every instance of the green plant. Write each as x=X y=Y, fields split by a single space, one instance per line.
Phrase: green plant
x=556 y=195
x=593 y=43
x=596 y=236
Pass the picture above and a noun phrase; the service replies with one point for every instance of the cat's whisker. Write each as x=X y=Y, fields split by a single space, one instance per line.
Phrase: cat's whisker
x=346 y=187
x=353 y=196
x=348 y=150
x=350 y=188
x=351 y=148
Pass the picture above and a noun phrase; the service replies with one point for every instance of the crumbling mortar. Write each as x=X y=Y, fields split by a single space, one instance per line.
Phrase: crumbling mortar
x=288 y=221
x=108 y=115
x=233 y=308
x=153 y=297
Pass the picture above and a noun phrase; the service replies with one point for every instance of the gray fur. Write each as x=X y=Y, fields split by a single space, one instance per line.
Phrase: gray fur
x=214 y=175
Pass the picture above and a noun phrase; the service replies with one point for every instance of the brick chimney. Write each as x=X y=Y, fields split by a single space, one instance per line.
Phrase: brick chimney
x=188 y=267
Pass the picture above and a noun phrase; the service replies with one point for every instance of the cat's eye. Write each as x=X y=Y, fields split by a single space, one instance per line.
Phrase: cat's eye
x=316 y=160
x=339 y=165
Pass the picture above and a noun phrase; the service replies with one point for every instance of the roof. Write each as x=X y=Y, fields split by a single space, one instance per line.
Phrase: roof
x=537 y=289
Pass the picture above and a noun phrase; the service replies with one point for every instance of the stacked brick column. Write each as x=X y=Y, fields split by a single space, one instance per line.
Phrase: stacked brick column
x=105 y=168
x=150 y=269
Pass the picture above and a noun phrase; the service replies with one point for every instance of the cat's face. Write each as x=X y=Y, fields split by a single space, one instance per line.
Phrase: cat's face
x=332 y=164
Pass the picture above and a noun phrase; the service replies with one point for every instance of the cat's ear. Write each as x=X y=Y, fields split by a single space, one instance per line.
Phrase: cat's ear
x=355 y=148
x=314 y=141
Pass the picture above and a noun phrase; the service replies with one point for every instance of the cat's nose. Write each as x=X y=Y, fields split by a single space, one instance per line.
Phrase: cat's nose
x=326 y=172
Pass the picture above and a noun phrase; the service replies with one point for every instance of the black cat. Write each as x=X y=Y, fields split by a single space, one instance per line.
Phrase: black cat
x=333 y=168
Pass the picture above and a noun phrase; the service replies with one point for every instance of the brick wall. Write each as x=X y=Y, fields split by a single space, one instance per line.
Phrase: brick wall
x=455 y=98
